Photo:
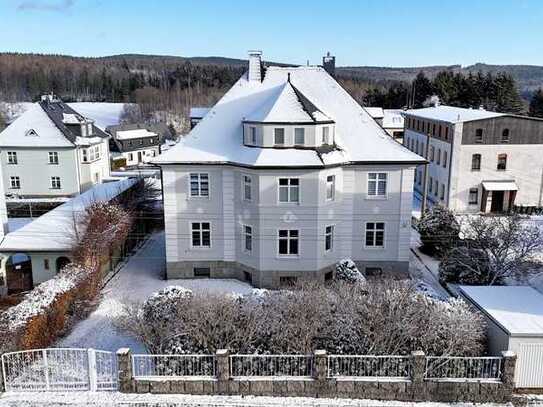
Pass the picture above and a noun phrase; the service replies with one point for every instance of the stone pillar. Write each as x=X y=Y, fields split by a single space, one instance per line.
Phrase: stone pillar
x=320 y=365
x=223 y=370
x=418 y=370
x=124 y=371
x=2 y=389
x=508 y=370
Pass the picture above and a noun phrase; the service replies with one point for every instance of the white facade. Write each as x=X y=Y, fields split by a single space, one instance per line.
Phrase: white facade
x=140 y=156
x=280 y=181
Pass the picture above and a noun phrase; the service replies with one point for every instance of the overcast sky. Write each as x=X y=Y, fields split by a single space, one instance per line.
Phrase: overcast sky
x=363 y=32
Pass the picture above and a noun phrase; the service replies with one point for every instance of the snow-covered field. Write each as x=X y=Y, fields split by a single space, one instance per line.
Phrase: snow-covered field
x=141 y=276
x=105 y=399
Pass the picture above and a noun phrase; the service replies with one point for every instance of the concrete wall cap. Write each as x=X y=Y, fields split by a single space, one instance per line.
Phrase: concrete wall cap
x=123 y=351
x=222 y=352
x=508 y=354
x=320 y=352
x=417 y=353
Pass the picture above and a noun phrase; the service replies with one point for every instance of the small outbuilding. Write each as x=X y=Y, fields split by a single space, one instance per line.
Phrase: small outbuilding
x=514 y=316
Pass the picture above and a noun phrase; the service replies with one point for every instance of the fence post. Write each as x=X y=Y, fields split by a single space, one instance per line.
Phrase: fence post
x=46 y=369
x=508 y=370
x=223 y=370
x=2 y=373
x=93 y=378
x=320 y=365
x=418 y=371
x=124 y=368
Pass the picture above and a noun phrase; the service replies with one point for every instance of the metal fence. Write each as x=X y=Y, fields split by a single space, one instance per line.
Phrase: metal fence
x=476 y=368
x=394 y=367
x=271 y=365
x=174 y=365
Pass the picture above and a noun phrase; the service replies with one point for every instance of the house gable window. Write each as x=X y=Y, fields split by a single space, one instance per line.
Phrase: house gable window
x=502 y=162
x=199 y=184
x=476 y=162
x=289 y=190
x=279 y=136
x=247 y=188
x=329 y=238
x=479 y=135
x=330 y=187
x=55 y=183
x=473 y=198
x=326 y=135
x=247 y=238
x=12 y=157
x=377 y=184
x=53 y=157
x=201 y=234
x=15 y=182
x=375 y=234
x=252 y=135
x=288 y=242
x=299 y=136
x=505 y=136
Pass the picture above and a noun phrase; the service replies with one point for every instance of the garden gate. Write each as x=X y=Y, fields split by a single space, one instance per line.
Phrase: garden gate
x=60 y=369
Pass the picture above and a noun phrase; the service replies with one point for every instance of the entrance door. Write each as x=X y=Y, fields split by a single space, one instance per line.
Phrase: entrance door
x=497 y=201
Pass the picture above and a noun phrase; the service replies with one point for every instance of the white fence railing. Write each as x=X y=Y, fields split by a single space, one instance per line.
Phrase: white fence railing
x=271 y=365
x=394 y=367
x=174 y=365
x=475 y=368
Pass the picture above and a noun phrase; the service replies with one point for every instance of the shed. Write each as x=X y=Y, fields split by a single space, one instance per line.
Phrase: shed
x=514 y=316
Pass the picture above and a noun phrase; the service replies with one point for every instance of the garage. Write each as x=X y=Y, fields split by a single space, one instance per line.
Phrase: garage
x=514 y=316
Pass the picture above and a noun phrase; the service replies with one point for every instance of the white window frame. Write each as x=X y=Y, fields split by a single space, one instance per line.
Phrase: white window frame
x=247 y=235
x=245 y=185
x=15 y=182
x=289 y=187
x=377 y=180
x=326 y=135
x=12 y=158
x=375 y=230
x=55 y=182
x=470 y=202
x=445 y=158
x=252 y=135
x=199 y=180
x=275 y=130
x=53 y=157
x=330 y=186
x=288 y=238
x=201 y=231
x=296 y=142
x=329 y=233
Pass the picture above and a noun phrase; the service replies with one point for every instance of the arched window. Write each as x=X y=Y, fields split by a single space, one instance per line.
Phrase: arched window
x=476 y=162
x=505 y=136
x=502 y=162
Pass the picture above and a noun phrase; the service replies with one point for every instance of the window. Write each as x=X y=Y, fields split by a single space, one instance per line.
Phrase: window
x=252 y=135
x=436 y=187
x=417 y=146
x=442 y=197
x=55 y=182
x=505 y=136
x=473 y=196
x=479 y=135
x=201 y=271
x=93 y=153
x=444 y=159
x=433 y=129
x=439 y=131
x=247 y=238
x=201 y=234
x=299 y=136
x=288 y=242
x=502 y=162
x=431 y=185
x=326 y=135
x=15 y=182
x=438 y=158
x=12 y=157
x=289 y=190
x=279 y=136
x=375 y=234
x=446 y=133
x=330 y=187
x=423 y=150
x=53 y=157
x=247 y=188
x=46 y=264
x=420 y=177
x=130 y=156
x=199 y=184
x=377 y=184
x=431 y=153
x=329 y=238
x=476 y=162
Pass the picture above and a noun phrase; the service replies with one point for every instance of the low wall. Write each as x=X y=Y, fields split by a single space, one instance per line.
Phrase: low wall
x=416 y=388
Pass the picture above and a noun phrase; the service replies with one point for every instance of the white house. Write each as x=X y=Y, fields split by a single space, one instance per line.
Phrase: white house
x=135 y=144
x=282 y=178
x=52 y=151
x=391 y=120
x=479 y=161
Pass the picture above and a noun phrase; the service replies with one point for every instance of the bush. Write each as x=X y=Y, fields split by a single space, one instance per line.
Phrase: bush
x=438 y=230
x=465 y=265
x=347 y=271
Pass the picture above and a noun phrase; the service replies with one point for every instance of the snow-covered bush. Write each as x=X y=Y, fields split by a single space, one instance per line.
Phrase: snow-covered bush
x=465 y=265
x=439 y=230
x=347 y=271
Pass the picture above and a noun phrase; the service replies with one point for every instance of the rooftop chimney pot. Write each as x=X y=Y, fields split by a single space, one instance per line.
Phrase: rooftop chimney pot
x=255 y=66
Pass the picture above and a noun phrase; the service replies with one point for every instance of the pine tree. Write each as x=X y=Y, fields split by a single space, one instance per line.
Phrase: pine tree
x=422 y=86
x=536 y=104
x=507 y=95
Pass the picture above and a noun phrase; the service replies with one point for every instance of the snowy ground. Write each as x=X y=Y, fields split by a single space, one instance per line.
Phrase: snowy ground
x=141 y=276
x=105 y=399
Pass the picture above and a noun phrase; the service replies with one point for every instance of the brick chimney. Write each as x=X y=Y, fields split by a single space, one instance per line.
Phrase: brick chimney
x=255 y=66
x=329 y=64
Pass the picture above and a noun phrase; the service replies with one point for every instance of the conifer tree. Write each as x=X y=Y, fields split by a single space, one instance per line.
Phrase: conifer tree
x=536 y=104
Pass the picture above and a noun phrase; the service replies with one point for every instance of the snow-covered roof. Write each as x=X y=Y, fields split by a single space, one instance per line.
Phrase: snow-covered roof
x=517 y=309
x=104 y=114
x=375 y=112
x=452 y=114
x=392 y=119
x=54 y=231
x=132 y=134
x=198 y=112
x=218 y=137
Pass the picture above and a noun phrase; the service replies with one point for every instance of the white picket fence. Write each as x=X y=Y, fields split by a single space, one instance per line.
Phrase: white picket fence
x=60 y=369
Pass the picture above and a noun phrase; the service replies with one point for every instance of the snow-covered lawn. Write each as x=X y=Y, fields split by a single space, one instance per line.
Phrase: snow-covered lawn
x=105 y=399
x=142 y=275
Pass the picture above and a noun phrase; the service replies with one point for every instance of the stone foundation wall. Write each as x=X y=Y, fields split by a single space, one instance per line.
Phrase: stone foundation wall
x=417 y=388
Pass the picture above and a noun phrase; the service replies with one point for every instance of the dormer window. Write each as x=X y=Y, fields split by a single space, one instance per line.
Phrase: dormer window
x=279 y=136
x=252 y=135
x=299 y=136
x=31 y=133
x=326 y=135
